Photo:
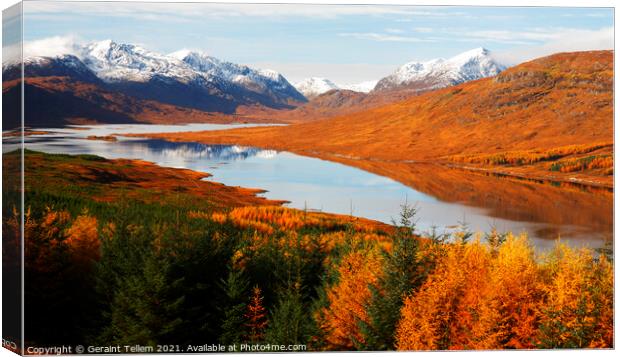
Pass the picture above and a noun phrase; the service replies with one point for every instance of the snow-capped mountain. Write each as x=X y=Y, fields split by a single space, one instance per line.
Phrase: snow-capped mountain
x=62 y=65
x=437 y=73
x=184 y=78
x=363 y=87
x=117 y=62
x=261 y=81
x=315 y=86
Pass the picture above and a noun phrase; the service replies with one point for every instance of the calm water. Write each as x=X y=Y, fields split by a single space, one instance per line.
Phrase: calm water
x=337 y=188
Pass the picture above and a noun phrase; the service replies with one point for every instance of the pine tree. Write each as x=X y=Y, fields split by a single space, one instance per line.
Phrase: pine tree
x=147 y=306
x=402 y=273
x=289 y=323
x=256 y=317
x=235 y=287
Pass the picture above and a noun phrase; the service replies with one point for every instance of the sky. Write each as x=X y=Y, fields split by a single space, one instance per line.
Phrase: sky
x=345 y=43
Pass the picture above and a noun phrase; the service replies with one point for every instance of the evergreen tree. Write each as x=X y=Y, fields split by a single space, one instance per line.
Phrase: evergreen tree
x=147 y=306
x=235 y=287
x=289 y=323
x=402 y=273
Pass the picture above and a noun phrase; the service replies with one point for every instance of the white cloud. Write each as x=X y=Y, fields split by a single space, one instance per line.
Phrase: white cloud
x=393 y=30
x=565 y=40
x=423 y=29
x=508 y=36
x=198 y=11
x=51 y=46
x=382 y=37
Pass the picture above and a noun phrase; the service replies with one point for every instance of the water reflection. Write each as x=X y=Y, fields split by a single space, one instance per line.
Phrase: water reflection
x=570 y=211
x=444 y=196
x=190 y=152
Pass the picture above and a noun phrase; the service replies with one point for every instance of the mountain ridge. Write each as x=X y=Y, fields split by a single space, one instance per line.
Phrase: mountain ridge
x=148 y=75
x=313 y=87
x=439 y=73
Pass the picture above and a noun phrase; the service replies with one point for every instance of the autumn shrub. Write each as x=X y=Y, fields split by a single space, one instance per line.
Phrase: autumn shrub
x=587 y=163
x=527 y=157
x=446 y=312
x=267 y=219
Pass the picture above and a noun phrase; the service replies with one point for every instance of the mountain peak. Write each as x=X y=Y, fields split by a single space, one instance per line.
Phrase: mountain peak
x=187 y=53
x=479 y=52
x=103 y=44
x=314 y=86
x=437 y=73
x=270 y=73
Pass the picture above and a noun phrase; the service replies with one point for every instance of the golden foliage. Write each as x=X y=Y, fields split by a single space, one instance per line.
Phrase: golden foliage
x=582 y=164
x=259 y=217
x=83 y=239
x=444 y=313
x=578 y=311
x=348 y=298
x=256 y=316
x=480 y=297
x=527 y=157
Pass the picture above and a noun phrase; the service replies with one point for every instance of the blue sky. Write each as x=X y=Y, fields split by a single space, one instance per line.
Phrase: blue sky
x=347 y=44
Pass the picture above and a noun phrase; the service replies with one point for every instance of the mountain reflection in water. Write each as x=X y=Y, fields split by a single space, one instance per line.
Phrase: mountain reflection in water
x=577 y=214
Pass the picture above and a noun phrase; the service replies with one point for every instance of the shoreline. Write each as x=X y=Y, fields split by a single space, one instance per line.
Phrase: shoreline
x=350 y=160
x=110 y=180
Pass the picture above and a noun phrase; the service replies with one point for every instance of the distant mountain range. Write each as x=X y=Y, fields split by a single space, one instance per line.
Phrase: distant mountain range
x=417 y=76
x=188 y=79
x=315 y=86
x=113 y=82
x=439 y=73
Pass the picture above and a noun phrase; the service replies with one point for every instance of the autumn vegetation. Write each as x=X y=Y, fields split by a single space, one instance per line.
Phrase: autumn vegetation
x=517 y=158
x=109 y=264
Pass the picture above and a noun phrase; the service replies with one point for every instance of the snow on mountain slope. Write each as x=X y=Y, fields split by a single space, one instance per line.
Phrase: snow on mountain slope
x=363 y=87
x=114 y=62
x=62 y=65
x=263 y=80
x=183 y=78
x=314 y=86
x=437 y=73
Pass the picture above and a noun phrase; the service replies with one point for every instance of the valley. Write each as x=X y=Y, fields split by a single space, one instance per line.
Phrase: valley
x=372 y=189
x=307 y=177
x=560 y=104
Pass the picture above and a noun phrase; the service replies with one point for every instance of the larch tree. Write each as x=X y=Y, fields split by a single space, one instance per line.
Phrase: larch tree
x=256 y=317
x=348 y=298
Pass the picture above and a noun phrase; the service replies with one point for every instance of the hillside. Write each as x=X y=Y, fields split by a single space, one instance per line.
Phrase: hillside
x=555 y=101
x=62 y=100
x=330 y=104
